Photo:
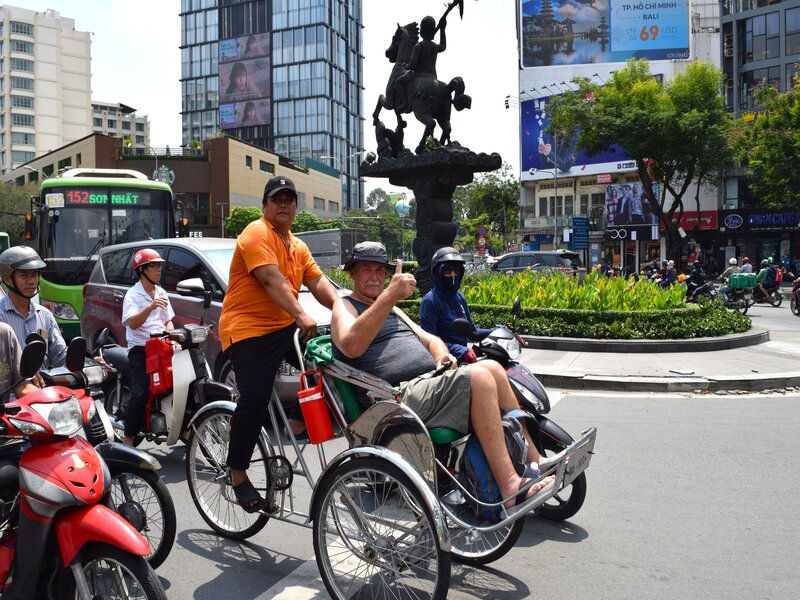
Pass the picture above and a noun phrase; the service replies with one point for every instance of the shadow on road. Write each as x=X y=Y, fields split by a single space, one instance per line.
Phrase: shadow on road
x=541 y=530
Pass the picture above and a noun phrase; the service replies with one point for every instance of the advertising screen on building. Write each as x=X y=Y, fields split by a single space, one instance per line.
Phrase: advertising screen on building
x=538 y=146
x=627 y=206
x=573 y=32
x=244 y=81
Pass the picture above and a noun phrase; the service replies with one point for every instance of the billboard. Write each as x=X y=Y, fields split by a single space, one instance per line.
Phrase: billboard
x=244 y=81
x=539 y=149
x=574 y=32
x=626 y=206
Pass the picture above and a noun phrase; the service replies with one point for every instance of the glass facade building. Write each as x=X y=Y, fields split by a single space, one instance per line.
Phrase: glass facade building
x=285 y=75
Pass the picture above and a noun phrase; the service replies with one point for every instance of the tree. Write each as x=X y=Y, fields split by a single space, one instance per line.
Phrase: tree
x=769 y=146
x=375 y=197
x=240 y=218
x=308 y=221
x=491 y=200
x=676 y=132
x=14 y=205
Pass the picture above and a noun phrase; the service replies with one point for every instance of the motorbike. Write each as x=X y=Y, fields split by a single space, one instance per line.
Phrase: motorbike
x=737 y=299
x=504 y=345
x=136 y=491
x=773 y=296
x=168 y=413
x=58 y=538
x=794 y=303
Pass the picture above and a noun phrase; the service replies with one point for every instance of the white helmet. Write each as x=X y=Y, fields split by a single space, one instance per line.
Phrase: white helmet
x=733 y=261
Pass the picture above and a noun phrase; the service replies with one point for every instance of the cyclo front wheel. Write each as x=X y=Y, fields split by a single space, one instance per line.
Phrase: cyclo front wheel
x=474 y=548
x=209 y=481
x=376 y=540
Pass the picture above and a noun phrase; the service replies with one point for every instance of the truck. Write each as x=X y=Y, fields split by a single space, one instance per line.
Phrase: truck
x=331 y=248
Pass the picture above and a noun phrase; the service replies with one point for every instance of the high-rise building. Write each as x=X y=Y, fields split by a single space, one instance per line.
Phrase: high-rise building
x=285 y=75
x=45 y=84
x=119 y=120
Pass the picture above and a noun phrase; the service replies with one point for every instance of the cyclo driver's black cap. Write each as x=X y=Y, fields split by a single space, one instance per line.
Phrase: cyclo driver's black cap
x=276 y=184
x=373 y=252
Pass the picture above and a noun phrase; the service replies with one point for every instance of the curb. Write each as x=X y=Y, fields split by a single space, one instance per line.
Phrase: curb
x=751 y=383
x=756 y=335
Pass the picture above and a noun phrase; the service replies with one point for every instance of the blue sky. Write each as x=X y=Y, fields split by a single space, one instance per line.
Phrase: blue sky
x=136 y=61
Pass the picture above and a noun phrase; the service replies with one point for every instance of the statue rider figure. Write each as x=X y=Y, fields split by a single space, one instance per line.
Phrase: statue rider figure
x=425 y=52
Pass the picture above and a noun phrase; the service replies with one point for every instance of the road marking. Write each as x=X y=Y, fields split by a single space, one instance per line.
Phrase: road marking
x=304 y=583
x=554 y=397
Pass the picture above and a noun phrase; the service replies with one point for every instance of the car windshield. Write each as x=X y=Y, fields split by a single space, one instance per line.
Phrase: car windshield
x=221 y=259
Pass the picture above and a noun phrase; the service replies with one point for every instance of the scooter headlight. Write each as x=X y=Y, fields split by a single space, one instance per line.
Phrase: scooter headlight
x=65 y=418
x=95 y=374
x=199 y=335
x=511 y=346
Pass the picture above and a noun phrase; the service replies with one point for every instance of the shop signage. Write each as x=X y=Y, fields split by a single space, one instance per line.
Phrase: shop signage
x=604 y=178
x=754 y=219
x=707 y=218
x=580 y=233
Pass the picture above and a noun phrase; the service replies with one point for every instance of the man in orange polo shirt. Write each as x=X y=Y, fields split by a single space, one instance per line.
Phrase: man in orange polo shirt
x=260 y=314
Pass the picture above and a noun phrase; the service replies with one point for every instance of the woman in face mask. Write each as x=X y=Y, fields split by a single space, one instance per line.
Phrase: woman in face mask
x=444 y=304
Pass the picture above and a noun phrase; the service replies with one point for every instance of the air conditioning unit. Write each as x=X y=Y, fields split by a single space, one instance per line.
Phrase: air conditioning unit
x=728 y=52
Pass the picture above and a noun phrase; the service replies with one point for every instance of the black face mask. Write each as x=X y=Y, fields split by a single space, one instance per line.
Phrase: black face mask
x=450 y=284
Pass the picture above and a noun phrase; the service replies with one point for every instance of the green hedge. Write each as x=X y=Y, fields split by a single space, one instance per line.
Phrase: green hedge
x=704 y=320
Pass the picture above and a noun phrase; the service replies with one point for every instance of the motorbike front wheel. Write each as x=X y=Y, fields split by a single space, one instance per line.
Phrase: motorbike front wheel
x=113 y=573
x=373 y=541
x=793 y=305
x=776 y=298
x=569 y=500
x=209 y=480
x=143 y=499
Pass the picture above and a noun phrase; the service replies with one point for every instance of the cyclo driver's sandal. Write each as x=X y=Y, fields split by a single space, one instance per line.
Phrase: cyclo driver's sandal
x=248 y=497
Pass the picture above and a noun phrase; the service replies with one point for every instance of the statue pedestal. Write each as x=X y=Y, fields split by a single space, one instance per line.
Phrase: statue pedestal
x=432 y=177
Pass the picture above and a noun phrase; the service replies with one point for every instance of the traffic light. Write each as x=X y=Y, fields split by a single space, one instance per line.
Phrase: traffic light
x=183 y=227
x=30 y=227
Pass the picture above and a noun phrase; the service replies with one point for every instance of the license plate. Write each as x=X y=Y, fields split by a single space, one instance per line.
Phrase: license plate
x=579 y=458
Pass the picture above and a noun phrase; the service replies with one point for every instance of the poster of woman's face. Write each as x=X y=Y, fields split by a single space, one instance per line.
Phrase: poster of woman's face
x=244 y=80
x=245 y=114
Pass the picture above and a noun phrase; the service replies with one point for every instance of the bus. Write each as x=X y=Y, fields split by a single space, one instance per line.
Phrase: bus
x=78 y=213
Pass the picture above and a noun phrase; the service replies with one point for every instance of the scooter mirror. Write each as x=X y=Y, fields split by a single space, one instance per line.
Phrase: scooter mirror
x=76 y=353
x=104 y=339
x=31 y=337
x=516 y=308
x=462 y=327
x=32 y=358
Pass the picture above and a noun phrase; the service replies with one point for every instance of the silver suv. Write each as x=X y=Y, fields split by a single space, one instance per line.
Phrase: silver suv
x=206 y=258
x=538 y=260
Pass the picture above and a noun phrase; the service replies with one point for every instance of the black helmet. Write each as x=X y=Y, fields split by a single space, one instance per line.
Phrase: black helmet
x=444 y=255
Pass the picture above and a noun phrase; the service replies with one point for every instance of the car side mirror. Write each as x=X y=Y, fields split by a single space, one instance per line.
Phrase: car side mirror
x=191 y=287
x=76 y=354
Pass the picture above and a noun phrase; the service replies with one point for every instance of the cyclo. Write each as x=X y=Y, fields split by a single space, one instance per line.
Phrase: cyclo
x=388 y=512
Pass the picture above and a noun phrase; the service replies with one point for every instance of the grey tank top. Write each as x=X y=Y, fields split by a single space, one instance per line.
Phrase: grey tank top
x=395 y=355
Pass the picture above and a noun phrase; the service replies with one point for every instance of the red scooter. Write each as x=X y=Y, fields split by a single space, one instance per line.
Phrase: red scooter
x=795 y=301
x=58 y=539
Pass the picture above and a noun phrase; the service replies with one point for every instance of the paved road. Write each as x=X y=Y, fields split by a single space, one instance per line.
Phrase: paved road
x=685 y=501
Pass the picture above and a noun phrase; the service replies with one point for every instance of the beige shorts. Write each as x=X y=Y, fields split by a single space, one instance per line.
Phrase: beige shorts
x=442 y=401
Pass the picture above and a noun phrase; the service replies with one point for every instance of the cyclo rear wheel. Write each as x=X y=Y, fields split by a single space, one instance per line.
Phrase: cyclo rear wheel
x=209 y=481
x=377 y=540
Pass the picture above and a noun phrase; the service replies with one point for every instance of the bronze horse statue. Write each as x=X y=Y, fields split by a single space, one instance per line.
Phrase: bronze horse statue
x=422 y=93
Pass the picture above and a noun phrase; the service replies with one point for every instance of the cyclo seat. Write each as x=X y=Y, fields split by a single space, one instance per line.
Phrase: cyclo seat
x=319 y=350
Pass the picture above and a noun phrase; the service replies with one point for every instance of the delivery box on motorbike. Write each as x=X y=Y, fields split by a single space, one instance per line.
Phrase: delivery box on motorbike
x=158 y=353
x=743 y=280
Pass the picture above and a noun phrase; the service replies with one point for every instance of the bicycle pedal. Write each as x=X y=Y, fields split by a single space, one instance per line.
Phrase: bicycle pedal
x=280 y=472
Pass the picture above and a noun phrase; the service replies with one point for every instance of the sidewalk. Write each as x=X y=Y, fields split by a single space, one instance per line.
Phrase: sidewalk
x=767 y=366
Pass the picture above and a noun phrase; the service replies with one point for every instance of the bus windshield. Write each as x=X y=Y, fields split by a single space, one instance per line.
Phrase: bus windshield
x=80 y=220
